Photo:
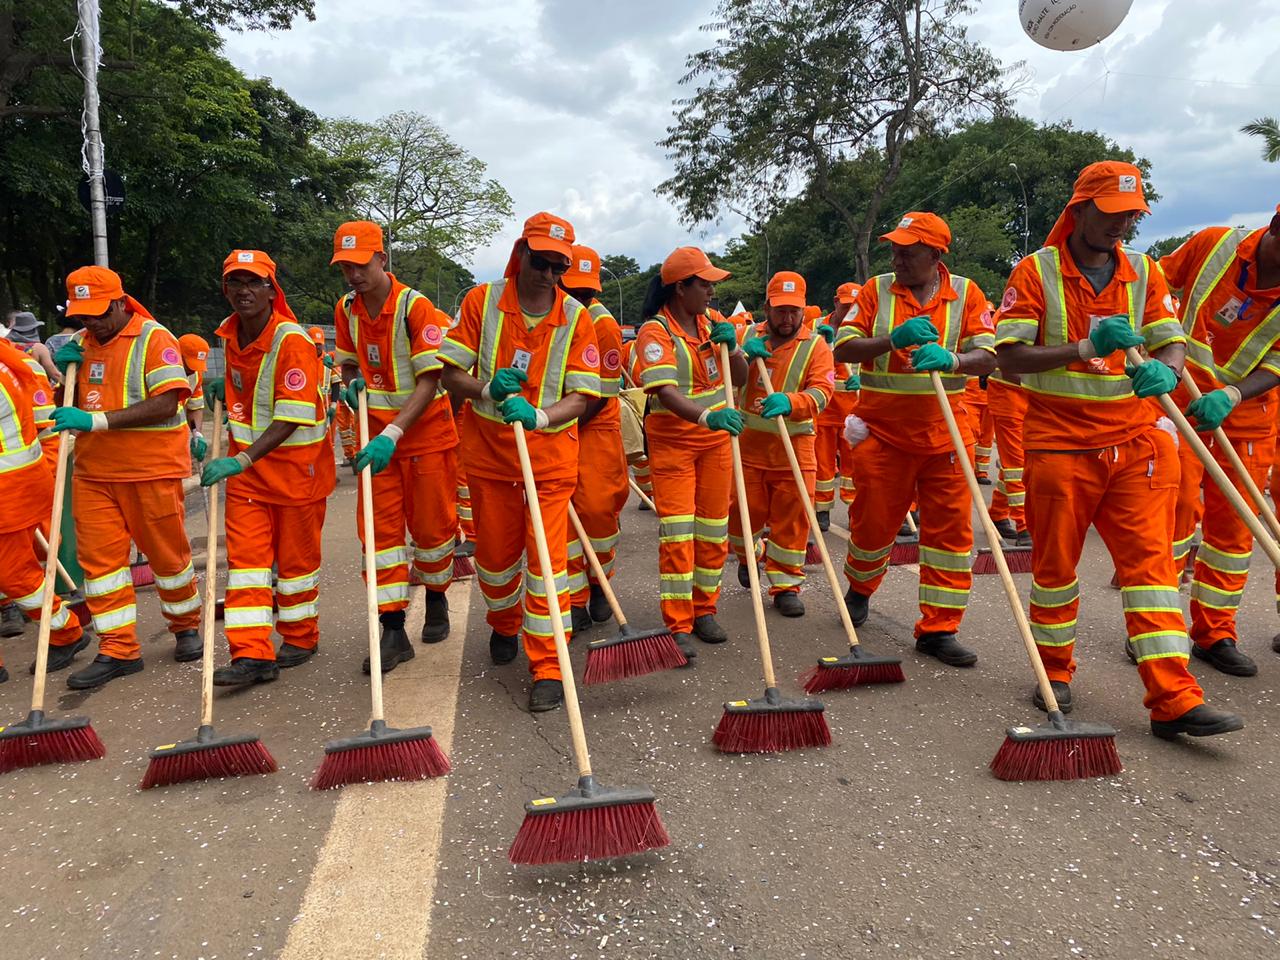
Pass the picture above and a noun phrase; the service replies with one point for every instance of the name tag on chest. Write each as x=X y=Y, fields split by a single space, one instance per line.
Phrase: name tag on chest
x=521 y=360
x=373 y=354
x=713 y=369
x=1229 y=313
x=236 y=381
x=97 y=371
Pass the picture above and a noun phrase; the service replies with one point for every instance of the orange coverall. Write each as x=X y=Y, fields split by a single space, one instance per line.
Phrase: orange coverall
x=640 y=467
x=1007 y=402
x=980 y=422
x=833 y=455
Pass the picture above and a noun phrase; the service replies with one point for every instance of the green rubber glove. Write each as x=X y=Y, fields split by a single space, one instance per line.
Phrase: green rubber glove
x=1212 y=408
x=914 y=333
x=351 y=395
x=722 y=331
x=828 y=332
x=854 y=382
x=505 y=383
x=729 y=421
x=757 y=348
x=776 y=405
x=519 y=410
x=333 y=412
x=376 y=454
x=69 y=353
x=220 y=470
x=199 y=446
x=933 y=357
x=1152 y=379
x=215 y=388
x=1114 y=333
x=328 y=361
x=71 y=418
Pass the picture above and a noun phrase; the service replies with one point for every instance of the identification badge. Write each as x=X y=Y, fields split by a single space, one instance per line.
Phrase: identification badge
x=97 y=371
x=713 y=370
x=373 y=354
x=521 y=360
x=1229 y=313
x=236 y=381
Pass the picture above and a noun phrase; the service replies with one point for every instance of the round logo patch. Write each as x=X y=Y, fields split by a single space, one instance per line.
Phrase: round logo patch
x=1009 y=299
x=93 y=396
x=237 y=410
x=590 y=355
x=831 y=377
x=295 y=379
x=612 y=360
x=431 y=335
x=40 y=398
x=653 y=352
x=987 y=323
x=169 y=355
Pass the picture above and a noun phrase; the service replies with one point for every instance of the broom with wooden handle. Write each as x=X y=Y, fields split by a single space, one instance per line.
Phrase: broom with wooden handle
x=857 y=667
x=590 y=822
x=38 y=740
x=1059 y=749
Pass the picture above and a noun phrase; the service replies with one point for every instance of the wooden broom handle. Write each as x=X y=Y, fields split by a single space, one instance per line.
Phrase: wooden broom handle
x=1220 y=436
x=208 y=624
x=635 y=488
x=993 y=540
x=65 y=577
x=911 y=523
x=553 y=605
x=370 y=568
x=602 y=579
x=744 y=514
x=1214 y=470
x=810 y=513
x=55 y=541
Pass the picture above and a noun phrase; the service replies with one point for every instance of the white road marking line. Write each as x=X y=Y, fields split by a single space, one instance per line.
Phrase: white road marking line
x=383 y=845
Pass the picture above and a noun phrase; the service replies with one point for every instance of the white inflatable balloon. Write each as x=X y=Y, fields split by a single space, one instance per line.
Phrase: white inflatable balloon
x=1071 y=24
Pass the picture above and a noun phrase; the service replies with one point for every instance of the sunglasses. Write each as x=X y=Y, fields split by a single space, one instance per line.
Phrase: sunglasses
x=246 y=284
x=542 y=264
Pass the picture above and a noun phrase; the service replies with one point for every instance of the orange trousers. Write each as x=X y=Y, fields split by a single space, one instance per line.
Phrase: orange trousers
x=889 y=478
x=345 y=421
x=984 y=432
x=259 y=536
x=507 y=560
x=22 y=581
x=774 y=502
x=691 y=492
x=1189 y=512
x=1009 y=499
x=643 y=478
x=420 y=494
x=835 y=466
x=1222 y=562
x=110 y=517
x=1128 y=493
x=466 y=522
x=600 y=495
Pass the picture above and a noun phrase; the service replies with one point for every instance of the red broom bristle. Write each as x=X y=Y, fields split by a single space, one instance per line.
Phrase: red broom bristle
x=1079 y=758
x=211 y=763
x=903 y=553
x=142 y=575
x=772 y=731
x=822 y=678
x=632 y=658
x=52 y=746
x=596 y=833
x=419 y=759
x=463 y=567
x=1019 y=561
x=811 y=554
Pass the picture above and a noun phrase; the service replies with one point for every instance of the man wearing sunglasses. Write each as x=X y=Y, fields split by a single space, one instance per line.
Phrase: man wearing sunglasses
x=523 y=350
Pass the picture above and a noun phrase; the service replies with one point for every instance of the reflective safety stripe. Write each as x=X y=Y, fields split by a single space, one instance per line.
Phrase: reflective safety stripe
x=909 y=383
x=138 y=384
x=108 y=583
x=676 y=586
x=1150 y=599
x=15 y=453
x=1215 y=597
x=868 y=556
x=681 y=375
x=792 y=558
x=21 y=458
x=506 y=600
x=433 y=554
x=1053 y=634
x=711 y=529
x=609 y=386
x=784 y=579
x=179 y=580
x=249 y=578
x=436 y=578
x=534 y=586
x=675 y=529
x=540 y=626
x=291 y=585
x=398 y=367
x=792 y=380
x=246 y=618
x=1183 y=547
x=706 y=579
x=876 y=375
x=298 y=611
x=1055 y=596
x=116 y=619
x=864 y=575
x=61 y=617
x=181 y=606
x=1161 y=643
x=393 y=592
x=264 y=409
x=944 y=559
x=1229 y=563
x=499 y=578
x=950 y=598
x=390 y=557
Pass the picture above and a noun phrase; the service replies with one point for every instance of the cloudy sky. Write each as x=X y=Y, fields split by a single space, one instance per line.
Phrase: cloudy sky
x=565 y=101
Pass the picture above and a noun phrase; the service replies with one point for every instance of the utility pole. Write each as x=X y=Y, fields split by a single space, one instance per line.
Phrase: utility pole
x=94 y=160
x=1026 y=211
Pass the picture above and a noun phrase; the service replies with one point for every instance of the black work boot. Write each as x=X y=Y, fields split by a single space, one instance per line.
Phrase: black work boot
x=642 y=507
x=1224 y=657
x=1275 y=643
x=598 y=605
x=946 y=648
x=685 y=642
x=503 y=647
x=467 y=548
x=13 y=622
x=824 y=520
x=1006 y=529
x=4 y=673
x=708 y=630
x=1199 y=721
x=858 y=605
x=102 y=670
x=744 y=576
x=245 y=670
x=394 y=647
x=1024 y=539
x=580 y=619
x=289 y=655
x=789 y=604
x=60 y=657
x=1061 y=693
x=546 y=695
x=436 y=625
x=187 y=646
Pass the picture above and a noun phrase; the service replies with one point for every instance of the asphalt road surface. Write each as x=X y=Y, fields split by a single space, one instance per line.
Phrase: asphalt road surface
x=894 y=842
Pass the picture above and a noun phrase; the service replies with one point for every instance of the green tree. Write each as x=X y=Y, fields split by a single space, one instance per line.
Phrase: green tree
x=1162 y=248
x=1268 y=130
x=620 y=265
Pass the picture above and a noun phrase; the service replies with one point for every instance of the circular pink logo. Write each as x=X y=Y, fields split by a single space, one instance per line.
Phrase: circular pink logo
x=591 y=356
x=41 y=398
x=612 y=360
x=169 y=355
x=295 y=379
x=1010 y=298
x=431 y=335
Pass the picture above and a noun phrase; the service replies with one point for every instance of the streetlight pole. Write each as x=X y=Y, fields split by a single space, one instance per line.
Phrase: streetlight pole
x=619 y=283
x=1026 y=211
x=90 y=52
x=453 y=311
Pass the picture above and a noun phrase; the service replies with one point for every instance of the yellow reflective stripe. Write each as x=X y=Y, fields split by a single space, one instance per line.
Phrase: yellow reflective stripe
x=108 y=583
x=1214 y=597
x=115 y=619
x=179 y=607
x=1055 y=596
x=1221 y=561
x=1161 y=643
x=1054 y=634
x=291 y=585
x=299 y=611
x=180 y=579
x=246 y=618
x=944 y=559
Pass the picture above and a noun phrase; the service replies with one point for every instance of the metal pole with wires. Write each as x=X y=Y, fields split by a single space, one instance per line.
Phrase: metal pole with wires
x=1026 y=210
x=90 y=53
x=619 y=283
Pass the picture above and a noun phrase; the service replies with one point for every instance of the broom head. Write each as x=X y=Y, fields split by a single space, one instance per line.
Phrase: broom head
x=632 y=653
x=812 y=555
x=381 y=753
x=905 y=550
x=39 y=740
x=589 y=823
x=771 y=724
x=207 y=756
x=855 y=669
x=142 y=574
x=1059 y=749
x=463 y=567
x=1018 y=559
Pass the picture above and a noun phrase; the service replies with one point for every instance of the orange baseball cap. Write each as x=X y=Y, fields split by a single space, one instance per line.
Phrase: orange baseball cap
x=544 y=232
x=356 y=242
x=584 y=269
x=786 y=289
x=918 y=227
x=847 y=292
x=1114 y=187
x=812 y=312
x=250 y=261
x=316 y=334
x=92 y=290
x=195 y=352
x=686 y=262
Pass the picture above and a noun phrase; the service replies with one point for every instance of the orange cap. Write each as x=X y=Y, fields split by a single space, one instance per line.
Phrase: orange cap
x=356 y=242
x=544 y=232
x=917 y=227
x=584 y=270
x=195 y=352
x=250 y=261
x=812 y=312
x=786 y=289
x=316 y=334
x=847 y=292
x=1113 y=185
x=686 y=262
x=91 y=290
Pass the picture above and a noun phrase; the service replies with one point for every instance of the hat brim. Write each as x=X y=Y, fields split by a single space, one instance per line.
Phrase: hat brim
x=788 y=300
x=194 y=365
x=258 y=269
x=90 y=308
x=905 y=238
x=551 y=245
x=573 y=280
x=1122 y=204
x=358 y=257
